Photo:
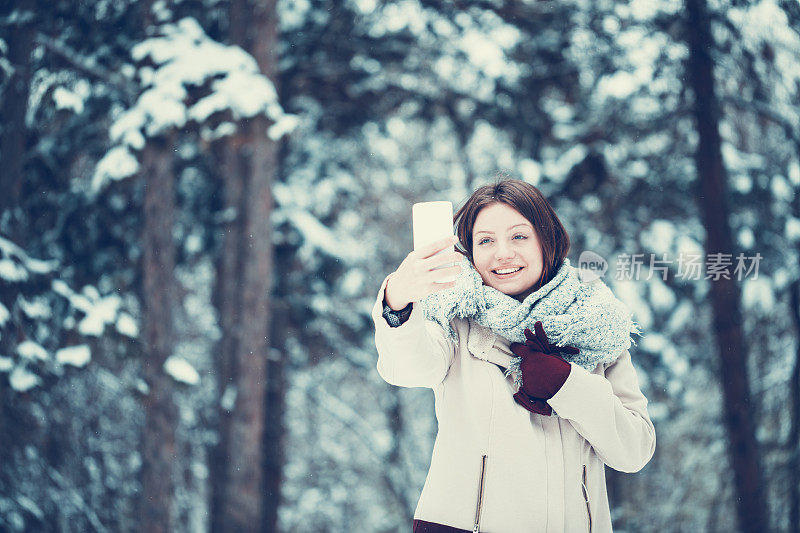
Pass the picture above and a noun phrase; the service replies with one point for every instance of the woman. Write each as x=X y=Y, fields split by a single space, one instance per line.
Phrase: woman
x=533 y=383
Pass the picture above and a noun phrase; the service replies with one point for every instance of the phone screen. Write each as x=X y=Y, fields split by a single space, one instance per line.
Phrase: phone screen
x=432 y=221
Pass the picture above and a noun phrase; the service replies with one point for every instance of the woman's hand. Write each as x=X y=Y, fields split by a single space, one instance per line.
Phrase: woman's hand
x=543 y=370
x=416 y=278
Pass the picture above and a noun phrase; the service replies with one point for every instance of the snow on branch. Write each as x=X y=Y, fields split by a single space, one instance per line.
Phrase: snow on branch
x=88 y=66
x=182 y=56
x=34 y=311
x=16 y=265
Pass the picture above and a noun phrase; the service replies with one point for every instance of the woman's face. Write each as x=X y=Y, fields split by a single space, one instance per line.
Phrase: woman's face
x=506 y=250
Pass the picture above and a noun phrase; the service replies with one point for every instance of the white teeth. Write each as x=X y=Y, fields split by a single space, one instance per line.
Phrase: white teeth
x=508 y=270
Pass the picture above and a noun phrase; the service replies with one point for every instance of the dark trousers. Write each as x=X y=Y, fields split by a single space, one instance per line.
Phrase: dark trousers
x=421 y=526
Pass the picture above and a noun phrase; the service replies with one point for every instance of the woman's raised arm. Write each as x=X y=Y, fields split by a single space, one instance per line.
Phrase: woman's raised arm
x=416 y=353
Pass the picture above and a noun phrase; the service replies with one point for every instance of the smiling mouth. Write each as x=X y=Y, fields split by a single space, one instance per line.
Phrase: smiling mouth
x=506 y=272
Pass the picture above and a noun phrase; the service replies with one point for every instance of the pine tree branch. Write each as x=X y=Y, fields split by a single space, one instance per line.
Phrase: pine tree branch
x=766 y=111
x=69 y=488
x=363 y=432
x=89 y=66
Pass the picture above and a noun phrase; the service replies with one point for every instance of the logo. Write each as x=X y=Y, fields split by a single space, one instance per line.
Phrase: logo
x=591 y=266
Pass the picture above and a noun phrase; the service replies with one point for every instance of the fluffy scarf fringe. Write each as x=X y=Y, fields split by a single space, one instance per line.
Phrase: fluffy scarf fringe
x=585 y=315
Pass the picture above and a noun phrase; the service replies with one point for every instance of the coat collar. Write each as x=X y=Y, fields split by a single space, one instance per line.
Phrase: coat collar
x=485 y=344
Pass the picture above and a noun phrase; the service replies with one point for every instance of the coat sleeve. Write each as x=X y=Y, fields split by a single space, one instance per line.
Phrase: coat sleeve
x=415 y=354
x=610 y=413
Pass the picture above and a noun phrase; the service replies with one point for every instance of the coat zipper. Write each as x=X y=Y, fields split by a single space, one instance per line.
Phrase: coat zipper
x=476 y=527
x=586 y=497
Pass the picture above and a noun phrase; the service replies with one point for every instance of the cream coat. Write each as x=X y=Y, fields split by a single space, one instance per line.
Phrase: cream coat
x=534 y=466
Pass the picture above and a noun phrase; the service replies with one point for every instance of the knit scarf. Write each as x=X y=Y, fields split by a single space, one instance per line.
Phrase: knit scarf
x=585 y=315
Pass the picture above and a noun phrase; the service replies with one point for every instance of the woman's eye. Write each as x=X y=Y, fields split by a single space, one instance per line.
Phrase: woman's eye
x=484 y=240
x=521 y=236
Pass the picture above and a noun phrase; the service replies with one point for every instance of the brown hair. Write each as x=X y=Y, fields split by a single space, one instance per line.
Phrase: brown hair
x=531 y=204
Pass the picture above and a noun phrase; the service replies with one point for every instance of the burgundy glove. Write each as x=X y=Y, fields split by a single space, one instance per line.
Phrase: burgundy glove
x=534 y=405
x=543 y=370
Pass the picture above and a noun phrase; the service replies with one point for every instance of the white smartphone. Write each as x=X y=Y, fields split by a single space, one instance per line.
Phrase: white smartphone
x=432 y=221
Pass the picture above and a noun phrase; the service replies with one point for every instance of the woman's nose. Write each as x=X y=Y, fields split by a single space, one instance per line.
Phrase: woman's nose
x=503 y=251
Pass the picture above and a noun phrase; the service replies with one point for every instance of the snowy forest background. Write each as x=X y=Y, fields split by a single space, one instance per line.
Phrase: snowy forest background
x=200 y=198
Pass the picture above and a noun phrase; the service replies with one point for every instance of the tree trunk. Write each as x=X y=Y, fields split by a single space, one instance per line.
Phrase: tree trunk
x=794 y=406
x=394 y=461
x=239 y=504
x=158 y=263
x=14 y=105
x=614 y=486
x=274 y=423
x=226 y=300
x=725 y=293
x=13 y=151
